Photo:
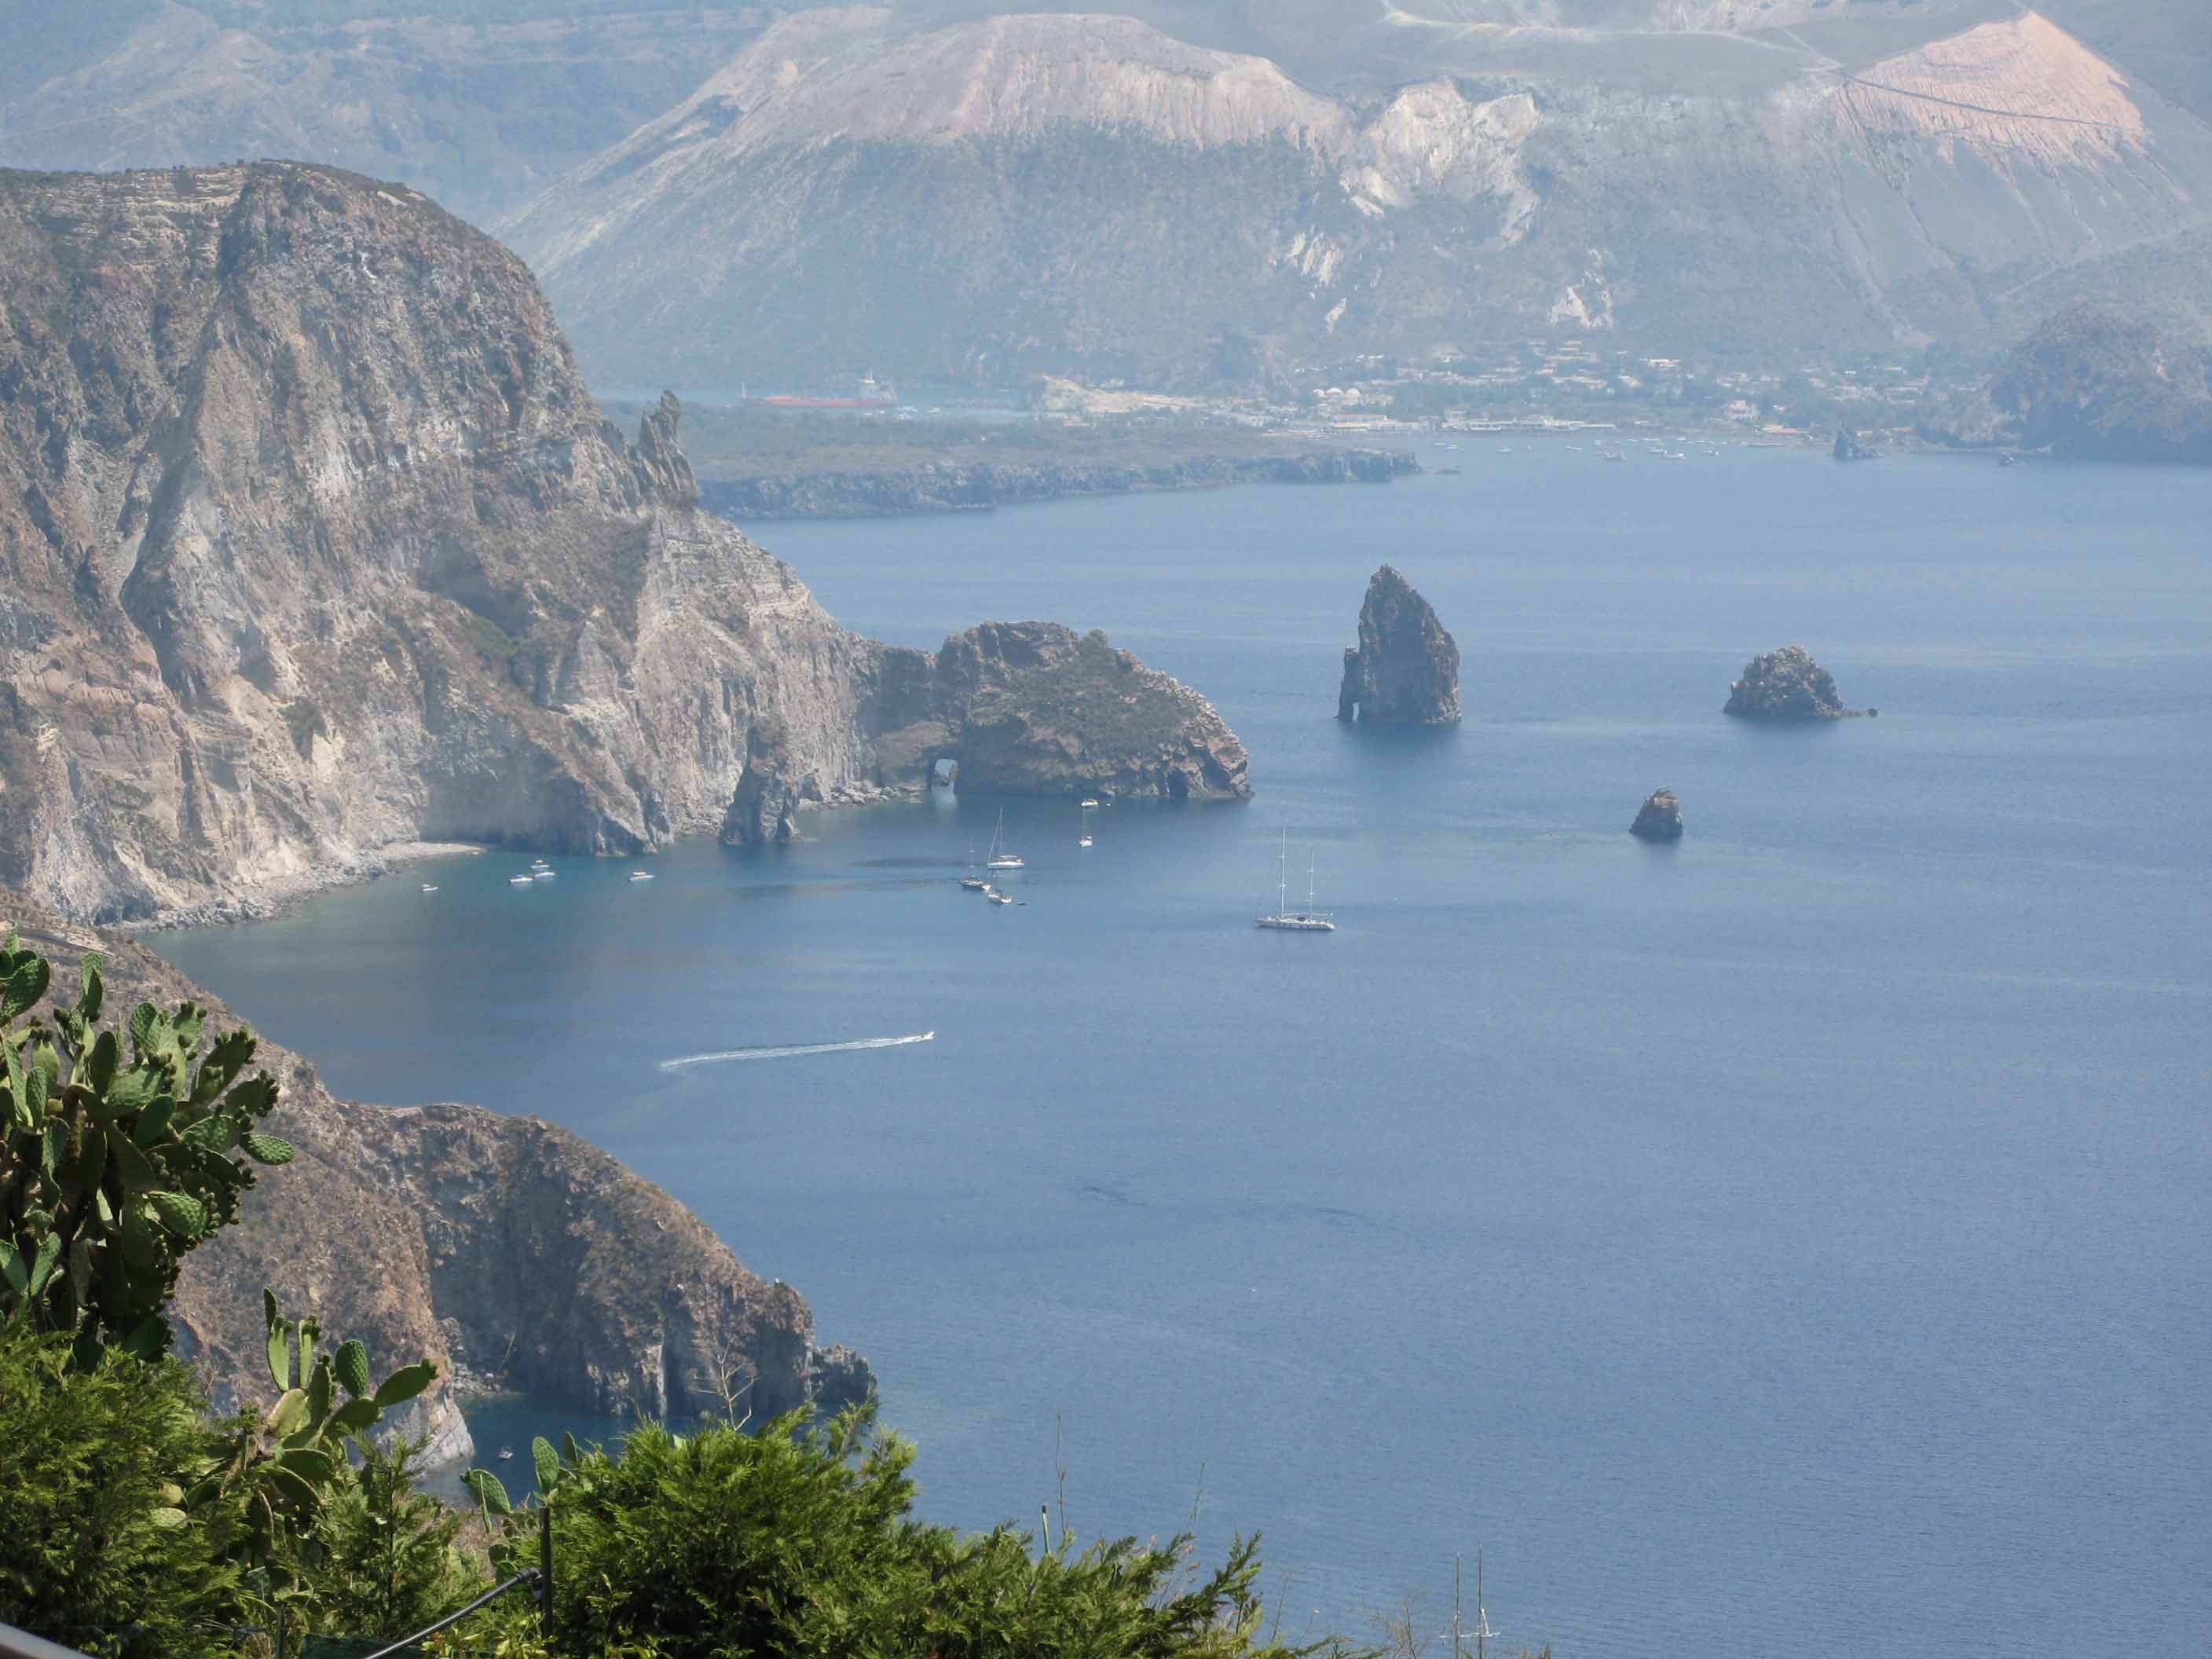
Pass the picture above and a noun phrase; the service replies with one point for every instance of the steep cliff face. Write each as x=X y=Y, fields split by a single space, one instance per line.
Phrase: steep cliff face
x=316 y=543
x=1405 y=670
x=1107 y=201
x=509 y=1251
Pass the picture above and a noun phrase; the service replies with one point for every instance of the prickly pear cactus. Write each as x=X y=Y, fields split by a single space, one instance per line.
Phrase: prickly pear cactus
x=119 y=1153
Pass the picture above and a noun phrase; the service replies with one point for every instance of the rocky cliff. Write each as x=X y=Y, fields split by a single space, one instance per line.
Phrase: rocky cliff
x=507 y=1250
x=1660 y=817
x=1025 y=708
x=1405 y=670
x=1110 y=202
x=2092 y=385
x=316 y=545
x=1786 y=685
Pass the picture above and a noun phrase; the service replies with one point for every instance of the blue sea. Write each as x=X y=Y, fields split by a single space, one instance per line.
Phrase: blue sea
x=1794 y=1241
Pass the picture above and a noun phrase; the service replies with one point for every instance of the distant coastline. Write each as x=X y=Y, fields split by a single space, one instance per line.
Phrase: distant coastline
x=972 y=487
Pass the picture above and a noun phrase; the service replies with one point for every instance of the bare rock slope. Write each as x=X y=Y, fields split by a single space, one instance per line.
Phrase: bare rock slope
x=315 y=544
x=506 y=1251
x=1107 y=201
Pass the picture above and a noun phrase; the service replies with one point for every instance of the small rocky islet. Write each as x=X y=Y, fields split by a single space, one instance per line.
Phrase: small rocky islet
x=1405 y=670
x=1786 y=685
x=1660 y=818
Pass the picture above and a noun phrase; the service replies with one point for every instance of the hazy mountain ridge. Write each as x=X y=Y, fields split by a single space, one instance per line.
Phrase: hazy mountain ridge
x=1104 y=199
x=480 y=111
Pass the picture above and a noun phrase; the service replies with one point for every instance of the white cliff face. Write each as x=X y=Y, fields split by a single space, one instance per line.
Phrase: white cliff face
x=319 y=545
x=1103 y=200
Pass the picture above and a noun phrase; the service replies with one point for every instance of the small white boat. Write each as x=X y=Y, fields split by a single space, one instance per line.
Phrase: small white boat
x=518 y=881
x=641 y=875
x=1090 y=803
x=971 y=881
x=540 y=875
x=1085 y=841
x=539 y=864
x=429 y=887
x=1001 y=857
x=506 y=1451
x=998 y=897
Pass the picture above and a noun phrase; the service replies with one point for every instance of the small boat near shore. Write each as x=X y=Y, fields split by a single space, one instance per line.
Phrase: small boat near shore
x=641 y=875
x=1002 y=857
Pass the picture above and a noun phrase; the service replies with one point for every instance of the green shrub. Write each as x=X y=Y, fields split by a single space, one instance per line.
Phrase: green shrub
x=95 y=1550
x=387 y=1559
x=801 y=1542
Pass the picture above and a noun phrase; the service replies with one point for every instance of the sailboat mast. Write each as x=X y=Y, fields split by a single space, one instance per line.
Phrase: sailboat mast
x=1283 y=878
x=1481 y=1612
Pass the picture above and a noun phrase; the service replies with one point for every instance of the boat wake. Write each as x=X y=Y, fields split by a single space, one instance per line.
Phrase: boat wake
x=789 y=1051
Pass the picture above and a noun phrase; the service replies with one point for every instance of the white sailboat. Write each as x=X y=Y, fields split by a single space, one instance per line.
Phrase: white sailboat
x=1083 y=819
x=1001 y=857
x=1308 y=921
x=971 y=881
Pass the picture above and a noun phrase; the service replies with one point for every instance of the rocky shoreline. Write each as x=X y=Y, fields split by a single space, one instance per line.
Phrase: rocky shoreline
x=981 y=486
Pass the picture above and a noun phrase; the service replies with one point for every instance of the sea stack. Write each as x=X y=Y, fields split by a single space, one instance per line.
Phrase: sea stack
x=1405 y=670
x=1661 y=818
x=1786 y=685
x=1849 y=448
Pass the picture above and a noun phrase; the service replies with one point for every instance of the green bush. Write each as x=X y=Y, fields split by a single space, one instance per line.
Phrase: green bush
x=387 y=1559
x=95 y=1550
x=801 y=1541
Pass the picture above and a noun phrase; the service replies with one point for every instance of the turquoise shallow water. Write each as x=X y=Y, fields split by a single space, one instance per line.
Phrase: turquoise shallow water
x=1792 y=1241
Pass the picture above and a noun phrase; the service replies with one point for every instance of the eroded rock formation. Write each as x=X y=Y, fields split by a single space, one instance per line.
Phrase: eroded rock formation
x=507 y=1250
x=1786 y=685
x=1660 y=817
x=1406 y=667
x=1023 y=708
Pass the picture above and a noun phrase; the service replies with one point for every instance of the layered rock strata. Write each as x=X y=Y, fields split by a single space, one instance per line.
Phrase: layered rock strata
x=316 y=545
x=1786 y=685
x=1660 y=818
x=1405 y=670
x=506 y=1251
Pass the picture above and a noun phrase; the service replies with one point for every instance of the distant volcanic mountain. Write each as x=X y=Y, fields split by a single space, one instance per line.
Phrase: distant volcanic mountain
x=1086 y=195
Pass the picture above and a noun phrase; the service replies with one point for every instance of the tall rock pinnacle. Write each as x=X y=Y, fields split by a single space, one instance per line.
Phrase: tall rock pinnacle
x=1404 y=669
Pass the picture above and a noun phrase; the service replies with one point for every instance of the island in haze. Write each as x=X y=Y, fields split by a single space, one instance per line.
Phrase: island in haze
x=2092 y=384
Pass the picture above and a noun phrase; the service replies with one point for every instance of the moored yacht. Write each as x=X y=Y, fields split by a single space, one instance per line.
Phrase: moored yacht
x=1001 y=856
x=1285 y=919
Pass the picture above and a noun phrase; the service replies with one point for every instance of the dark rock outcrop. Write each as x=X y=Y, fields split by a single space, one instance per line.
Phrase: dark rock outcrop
x=1405 y=670
x=2092 y=385
x=1660 y=818
x=978 y=488
x=1032 y=708
x=1786 y=685
x=510 y=1252
x=1849 y=448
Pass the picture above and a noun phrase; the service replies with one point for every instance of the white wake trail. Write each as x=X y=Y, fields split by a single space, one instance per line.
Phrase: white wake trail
x=786 y=1051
